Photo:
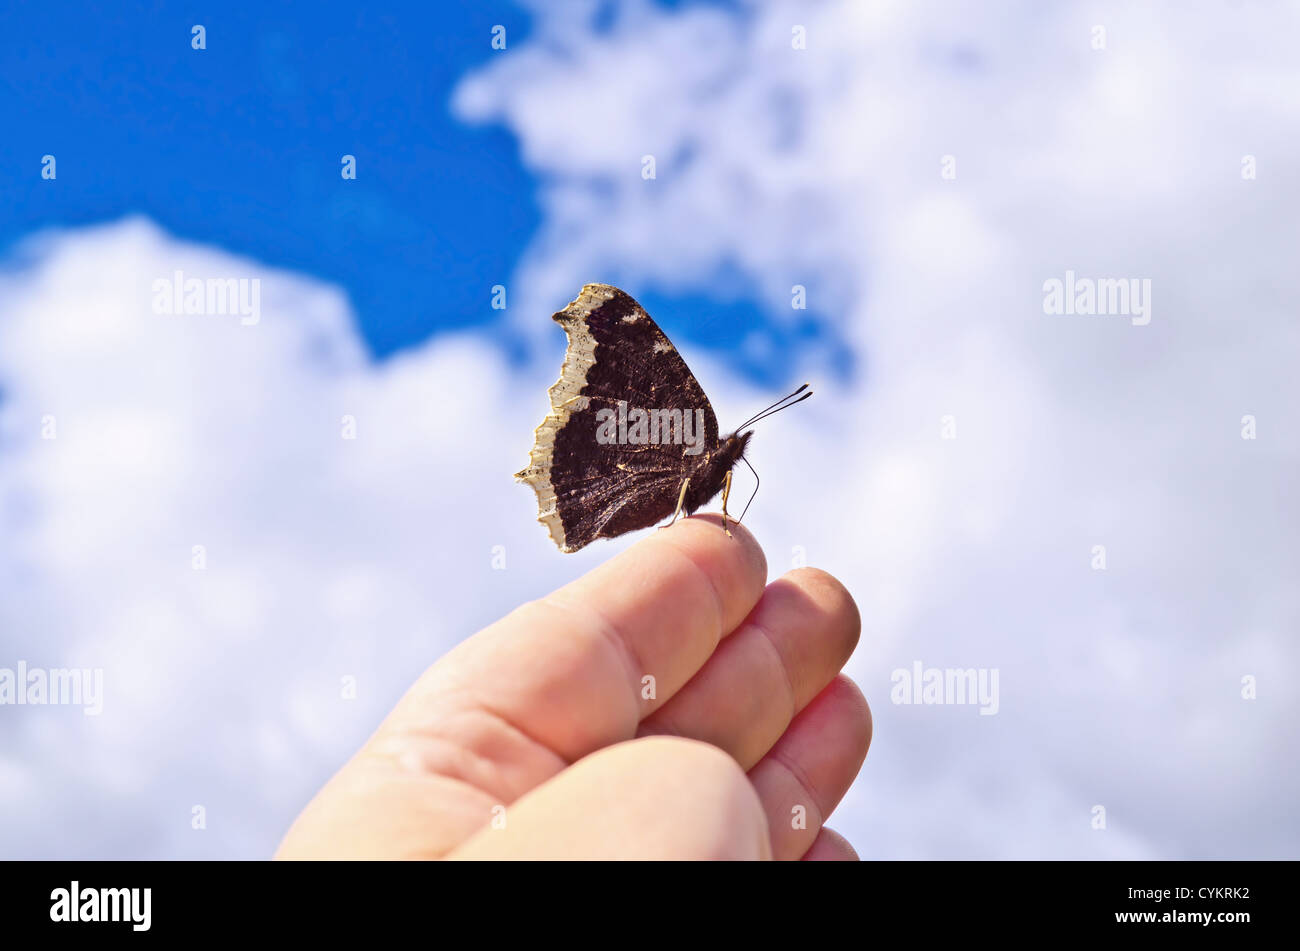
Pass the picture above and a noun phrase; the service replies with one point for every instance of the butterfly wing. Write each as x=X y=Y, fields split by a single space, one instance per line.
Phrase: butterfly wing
x=588 y=488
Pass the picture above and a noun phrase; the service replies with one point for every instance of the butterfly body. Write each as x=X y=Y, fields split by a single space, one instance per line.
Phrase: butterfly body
x=630 y=437
x=708 y=476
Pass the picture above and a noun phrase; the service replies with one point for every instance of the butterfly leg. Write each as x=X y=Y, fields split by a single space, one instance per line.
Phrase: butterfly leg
x=726 y=491
x=681 y=498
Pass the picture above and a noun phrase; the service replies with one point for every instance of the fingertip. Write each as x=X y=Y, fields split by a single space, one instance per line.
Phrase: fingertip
x=709 y=526
x=705 y=763
x=831 y=599
x=735 y=563
x=830 y=590
x=850 y=708
x=711 y=772
x=830 y=846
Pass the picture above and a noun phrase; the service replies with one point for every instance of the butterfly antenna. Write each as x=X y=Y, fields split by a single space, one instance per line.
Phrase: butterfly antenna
x=784 y=402
x=776 y=407
x=773 y=412
x=757 y=481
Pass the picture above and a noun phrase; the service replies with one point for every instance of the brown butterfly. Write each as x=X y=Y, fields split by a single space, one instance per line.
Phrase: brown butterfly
x=631 y=437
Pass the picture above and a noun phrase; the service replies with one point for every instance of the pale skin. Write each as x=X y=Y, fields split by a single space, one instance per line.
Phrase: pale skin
x=543 y=720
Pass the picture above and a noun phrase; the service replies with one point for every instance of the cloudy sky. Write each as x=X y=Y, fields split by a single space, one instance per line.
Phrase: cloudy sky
x=1100 y=509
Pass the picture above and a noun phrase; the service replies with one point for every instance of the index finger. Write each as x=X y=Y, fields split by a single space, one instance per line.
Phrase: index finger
x=578 y=669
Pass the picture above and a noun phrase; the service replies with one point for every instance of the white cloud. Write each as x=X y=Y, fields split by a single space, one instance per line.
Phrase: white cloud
x=822 y=167
x=325 y=557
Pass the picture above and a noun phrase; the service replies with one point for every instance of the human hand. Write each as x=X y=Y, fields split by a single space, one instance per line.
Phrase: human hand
x=544 y=720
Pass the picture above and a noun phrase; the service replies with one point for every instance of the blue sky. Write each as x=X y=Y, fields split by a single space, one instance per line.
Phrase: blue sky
x=239 y=145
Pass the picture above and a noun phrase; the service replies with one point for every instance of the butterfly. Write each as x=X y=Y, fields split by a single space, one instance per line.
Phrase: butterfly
x=631 y=438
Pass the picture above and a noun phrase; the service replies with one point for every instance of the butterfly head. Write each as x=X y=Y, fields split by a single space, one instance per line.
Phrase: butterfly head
x=732 y=448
